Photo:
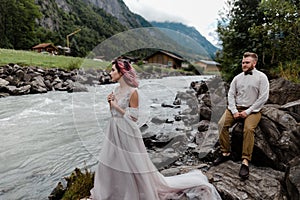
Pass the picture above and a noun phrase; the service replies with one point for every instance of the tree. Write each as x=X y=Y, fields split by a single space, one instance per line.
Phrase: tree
x=280 y=31
x=271 y=28
x=233 y=30
x=6 y=25
x=17 y=19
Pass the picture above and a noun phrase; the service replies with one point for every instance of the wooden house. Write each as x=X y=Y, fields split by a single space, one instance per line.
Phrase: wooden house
x=208 y=65
x=165 y=58
x=45 y=47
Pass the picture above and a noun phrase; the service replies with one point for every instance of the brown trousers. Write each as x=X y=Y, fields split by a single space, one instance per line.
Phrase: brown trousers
x=250 y=123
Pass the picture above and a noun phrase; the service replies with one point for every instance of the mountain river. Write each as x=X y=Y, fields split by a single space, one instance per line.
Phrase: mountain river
x=43 y=137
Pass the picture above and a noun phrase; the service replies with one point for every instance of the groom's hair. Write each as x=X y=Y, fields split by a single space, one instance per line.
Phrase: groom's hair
x=251 y=54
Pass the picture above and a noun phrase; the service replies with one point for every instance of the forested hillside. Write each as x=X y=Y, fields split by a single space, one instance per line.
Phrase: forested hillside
x=192 y=33
x=118 y=9
x=25 y=23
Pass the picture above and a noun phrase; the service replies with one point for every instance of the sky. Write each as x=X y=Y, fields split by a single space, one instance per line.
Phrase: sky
x=200 y=14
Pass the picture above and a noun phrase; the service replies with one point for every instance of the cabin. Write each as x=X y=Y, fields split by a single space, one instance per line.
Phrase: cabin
x=208 y=65
x=165 y=59
x=45 y=47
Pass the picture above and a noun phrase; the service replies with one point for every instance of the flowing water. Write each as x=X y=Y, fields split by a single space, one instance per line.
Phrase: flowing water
x=43 y=137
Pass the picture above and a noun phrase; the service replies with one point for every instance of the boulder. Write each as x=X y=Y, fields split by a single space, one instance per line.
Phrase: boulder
x=293 y=109
x=3 y=82
x=263 y=183
x=76 y=87
x=13 y=90
x=283 y=91
x=292 y=179
x=38 y=85
x=170 y=152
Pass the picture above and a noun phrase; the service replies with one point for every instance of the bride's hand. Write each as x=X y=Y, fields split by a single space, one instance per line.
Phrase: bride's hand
x=112 y=100
x=113 y=103
x=110 y=97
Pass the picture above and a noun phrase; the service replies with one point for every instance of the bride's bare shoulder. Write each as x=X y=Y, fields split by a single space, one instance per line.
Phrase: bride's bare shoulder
x=134 y=99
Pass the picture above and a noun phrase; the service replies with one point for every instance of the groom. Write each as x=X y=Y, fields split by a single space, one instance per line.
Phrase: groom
x=247 y=94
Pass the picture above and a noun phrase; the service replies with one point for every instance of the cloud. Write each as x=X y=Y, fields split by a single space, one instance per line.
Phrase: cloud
x=199 y=14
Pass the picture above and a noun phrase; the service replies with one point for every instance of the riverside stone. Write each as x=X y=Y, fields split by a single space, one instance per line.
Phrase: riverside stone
x=293 y=179
x=263 y=183
x=283 y=91
x=3 y=82
x=277 y=143
x=17 y=80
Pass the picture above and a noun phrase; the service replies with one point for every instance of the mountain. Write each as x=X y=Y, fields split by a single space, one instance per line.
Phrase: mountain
x=97 y=19
x=113 y=8
x=52 y=21
x=84 y=24
x=118 y=9
x=190 y=32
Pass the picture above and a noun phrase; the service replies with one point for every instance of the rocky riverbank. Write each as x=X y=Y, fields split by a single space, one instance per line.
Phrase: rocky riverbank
x=275 y=169
x=193 y=142
x=17 y=80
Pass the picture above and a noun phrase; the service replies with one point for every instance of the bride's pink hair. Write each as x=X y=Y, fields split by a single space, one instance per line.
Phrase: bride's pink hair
x=129 y=74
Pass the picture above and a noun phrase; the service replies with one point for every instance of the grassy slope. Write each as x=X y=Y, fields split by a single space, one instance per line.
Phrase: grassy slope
x=29 y=58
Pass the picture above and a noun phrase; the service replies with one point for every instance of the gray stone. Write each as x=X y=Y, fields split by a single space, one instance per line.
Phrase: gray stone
x=263 y=183
x=293 y=179
x=3 y=82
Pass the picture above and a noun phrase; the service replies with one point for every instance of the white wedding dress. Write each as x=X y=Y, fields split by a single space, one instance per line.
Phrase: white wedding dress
x=125 y=171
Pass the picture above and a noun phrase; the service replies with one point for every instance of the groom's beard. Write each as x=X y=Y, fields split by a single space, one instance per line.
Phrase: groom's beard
x=250 y=68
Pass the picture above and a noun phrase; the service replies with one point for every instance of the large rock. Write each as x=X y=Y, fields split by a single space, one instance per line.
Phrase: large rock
x=76 y=87
x=283 y=91
x=263 y=183
x=3 y=82
x=277 y=143
x=38 y=85
x=293 y=109
x=277 y=139
x=293 y=179
x=13 y=90
x=171 y=152
x=205 y=142
x=17 y=80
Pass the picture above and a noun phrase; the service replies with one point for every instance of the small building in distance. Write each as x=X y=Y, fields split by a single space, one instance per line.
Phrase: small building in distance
x=165 y=58
x=209 y=66
x=45 y=47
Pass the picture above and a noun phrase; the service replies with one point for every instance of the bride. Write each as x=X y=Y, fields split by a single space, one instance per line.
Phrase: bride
x=125 y=171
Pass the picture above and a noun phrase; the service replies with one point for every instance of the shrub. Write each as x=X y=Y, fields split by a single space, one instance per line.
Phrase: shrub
x=79 y=185
x=289 y=71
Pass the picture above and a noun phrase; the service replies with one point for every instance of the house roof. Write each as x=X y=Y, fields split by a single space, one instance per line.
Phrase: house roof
x=209 y=62
x=43 y=45
x=166 y=53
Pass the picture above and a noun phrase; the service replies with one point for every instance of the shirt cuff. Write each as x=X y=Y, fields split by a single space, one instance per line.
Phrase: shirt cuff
x=233 y=110
x=248 y=111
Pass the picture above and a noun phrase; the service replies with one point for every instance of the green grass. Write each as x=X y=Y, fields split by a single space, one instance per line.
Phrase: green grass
x=290 y=71
x=30 y=58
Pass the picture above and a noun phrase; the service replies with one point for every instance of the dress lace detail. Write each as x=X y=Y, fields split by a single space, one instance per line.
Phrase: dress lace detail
x=122 y=97
x=126 y=172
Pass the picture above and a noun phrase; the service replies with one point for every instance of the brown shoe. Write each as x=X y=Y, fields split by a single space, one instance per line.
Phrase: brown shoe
x=221 y=159
x=244 y=171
